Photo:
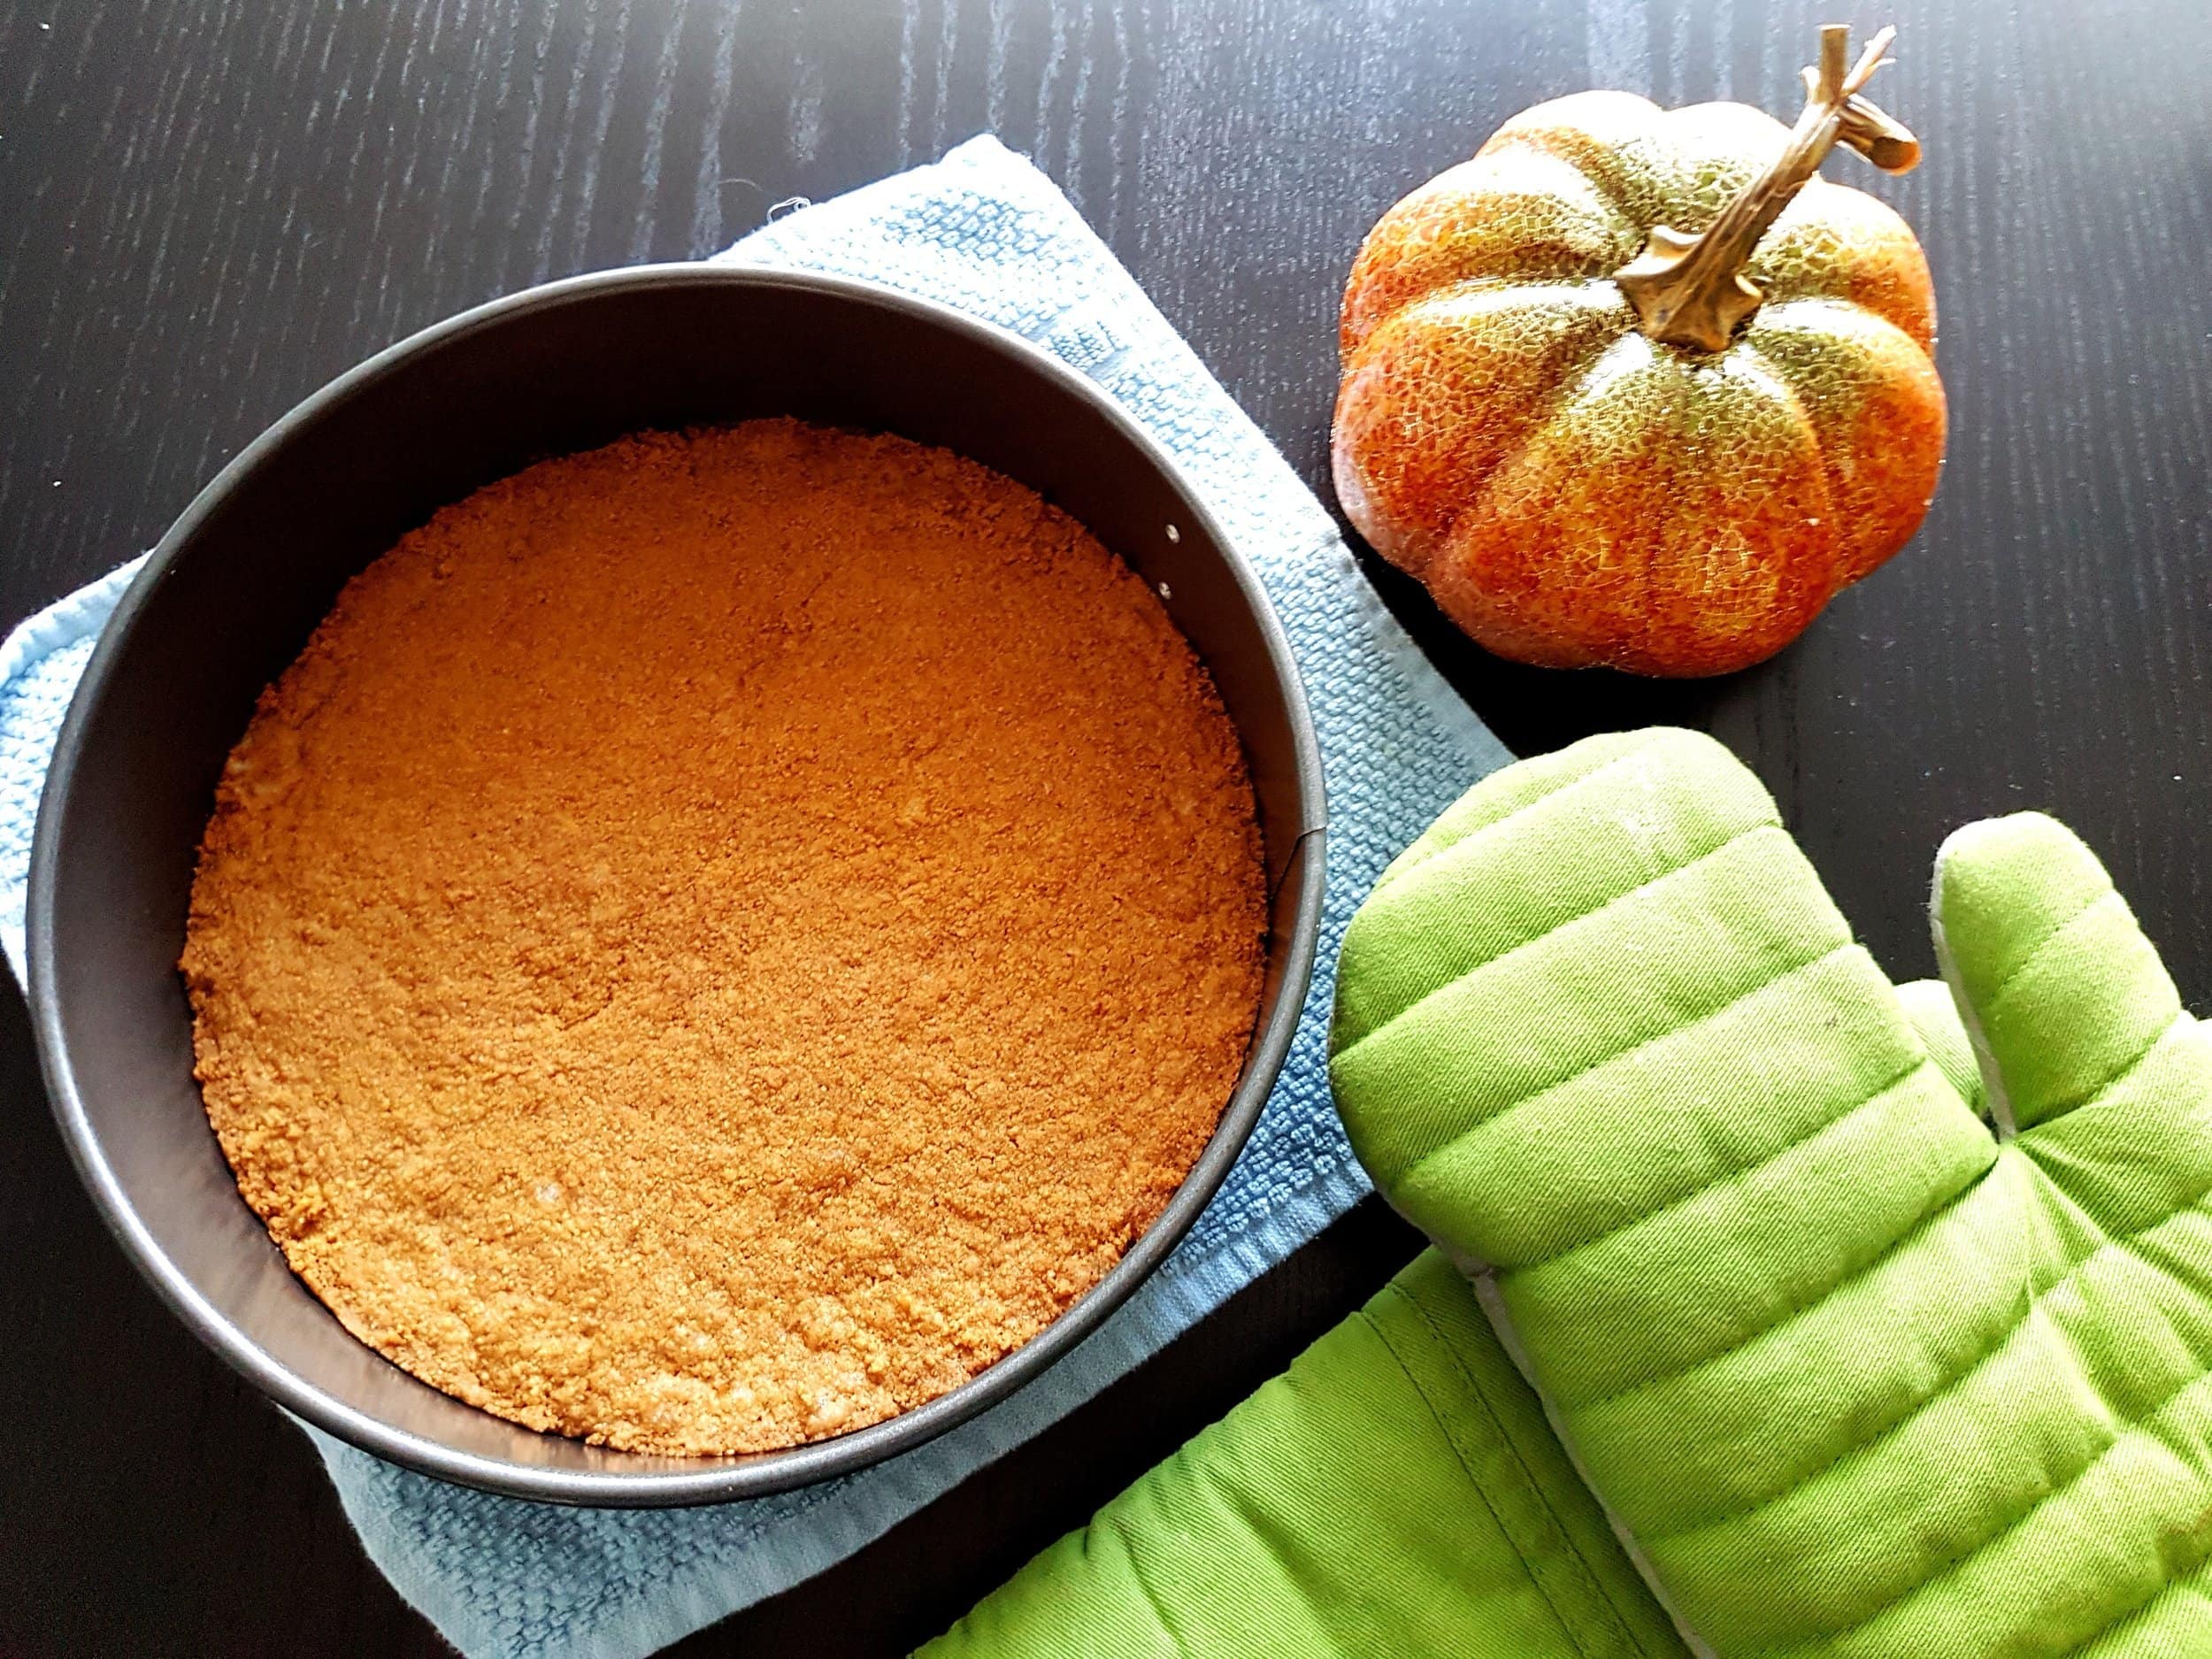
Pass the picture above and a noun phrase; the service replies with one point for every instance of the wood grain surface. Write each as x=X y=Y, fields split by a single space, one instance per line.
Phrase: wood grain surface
x=209 y=207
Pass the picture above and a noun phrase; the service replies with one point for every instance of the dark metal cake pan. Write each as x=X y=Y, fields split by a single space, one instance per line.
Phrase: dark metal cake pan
x=233 y=592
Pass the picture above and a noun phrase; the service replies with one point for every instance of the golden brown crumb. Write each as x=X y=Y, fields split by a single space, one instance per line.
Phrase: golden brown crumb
x=720 y=939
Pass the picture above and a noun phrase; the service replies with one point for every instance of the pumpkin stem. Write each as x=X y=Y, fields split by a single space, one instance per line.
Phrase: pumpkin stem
x=1692 y=291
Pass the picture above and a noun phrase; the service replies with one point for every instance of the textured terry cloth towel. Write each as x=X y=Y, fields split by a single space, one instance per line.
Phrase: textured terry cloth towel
x=986 y=233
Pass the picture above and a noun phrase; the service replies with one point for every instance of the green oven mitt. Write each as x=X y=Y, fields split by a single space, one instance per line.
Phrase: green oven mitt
x=1396 y=1492
x=1857 y=1372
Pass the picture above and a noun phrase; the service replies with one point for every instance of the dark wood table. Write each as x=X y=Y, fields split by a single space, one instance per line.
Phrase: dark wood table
x=208 y=207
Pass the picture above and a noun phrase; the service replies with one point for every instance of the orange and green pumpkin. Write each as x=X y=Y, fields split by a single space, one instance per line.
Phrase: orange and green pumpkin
x=1636 y=387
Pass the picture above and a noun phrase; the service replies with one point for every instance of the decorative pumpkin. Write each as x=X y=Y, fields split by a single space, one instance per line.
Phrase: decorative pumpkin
x=1637 y=387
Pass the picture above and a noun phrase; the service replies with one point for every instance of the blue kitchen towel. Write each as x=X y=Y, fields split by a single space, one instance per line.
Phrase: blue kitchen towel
x=985 y=232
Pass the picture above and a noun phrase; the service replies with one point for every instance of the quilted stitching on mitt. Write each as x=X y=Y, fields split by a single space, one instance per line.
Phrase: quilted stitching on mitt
x=1858 y=1371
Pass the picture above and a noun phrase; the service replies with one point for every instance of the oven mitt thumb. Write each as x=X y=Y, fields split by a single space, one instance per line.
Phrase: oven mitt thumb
x=1857 y=1371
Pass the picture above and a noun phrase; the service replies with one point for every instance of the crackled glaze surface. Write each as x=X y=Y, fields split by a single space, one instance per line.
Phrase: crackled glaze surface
x=1573 y=493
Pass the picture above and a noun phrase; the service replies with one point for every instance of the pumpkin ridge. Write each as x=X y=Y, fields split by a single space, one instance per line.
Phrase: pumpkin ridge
x=1586 y=236
x=1845 y=279
x=1754 y=369
x=1747 y=374
x=1690 y=138
x=1575 y=369
x=1574 y=361
x=1863 y=538
x=1574 y=365
x=1471 y=286
x=1564 y=395
x=1568 y=391
x=1785 y=303
x=1833 y=482
x=1596 y=155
